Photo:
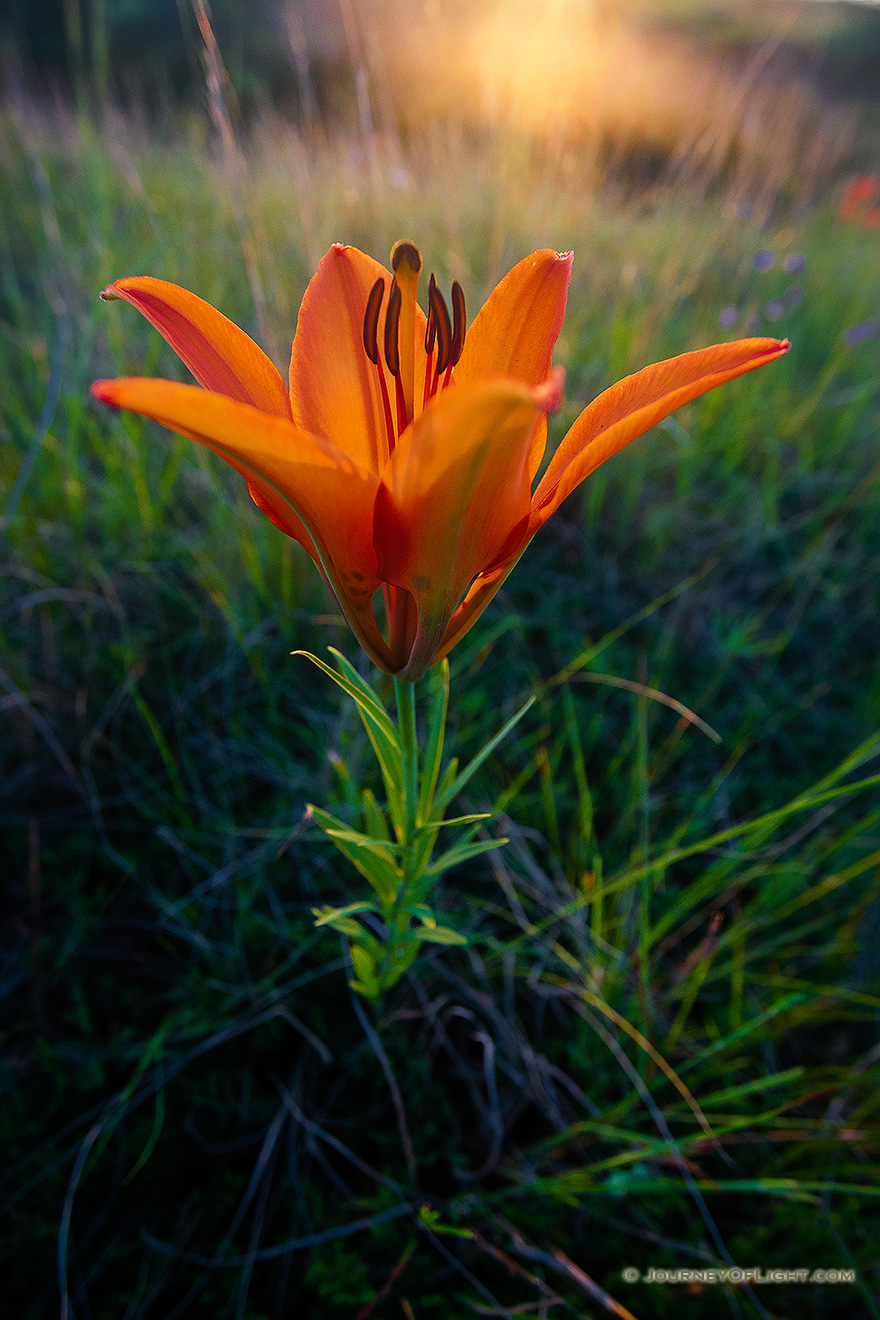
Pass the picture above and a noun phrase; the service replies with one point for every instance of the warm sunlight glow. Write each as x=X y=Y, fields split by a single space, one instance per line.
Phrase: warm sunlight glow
x=589 y=74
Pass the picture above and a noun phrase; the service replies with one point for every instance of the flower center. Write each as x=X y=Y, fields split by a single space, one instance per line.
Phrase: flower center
x=444 y=338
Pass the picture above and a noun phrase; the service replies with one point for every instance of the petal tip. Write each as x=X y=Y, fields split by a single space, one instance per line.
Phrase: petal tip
x=102 y=390
x=771 y=349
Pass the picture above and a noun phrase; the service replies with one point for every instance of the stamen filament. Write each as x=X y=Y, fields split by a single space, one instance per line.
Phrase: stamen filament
x=400 y=398
x=430 y=337
x=429 y=376
x=386 y=405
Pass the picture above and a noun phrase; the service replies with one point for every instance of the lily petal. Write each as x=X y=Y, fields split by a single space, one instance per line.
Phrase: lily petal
x=455 y=494
x=219 y=354
x=635 y=404
x=334 y=387
x=514 y=332
x=315 y=492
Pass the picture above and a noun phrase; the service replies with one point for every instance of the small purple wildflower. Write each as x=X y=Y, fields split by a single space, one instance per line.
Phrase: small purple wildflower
x=861 y=332
x=764 y=259
x=794 y=295
x=774 y=309
x=728 y=317
x=794 y=263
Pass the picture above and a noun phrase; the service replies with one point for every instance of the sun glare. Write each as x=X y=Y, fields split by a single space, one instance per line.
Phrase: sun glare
x=585 y=74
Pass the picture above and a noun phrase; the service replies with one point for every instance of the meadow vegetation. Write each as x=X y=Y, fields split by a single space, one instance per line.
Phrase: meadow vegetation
x=660 y=1047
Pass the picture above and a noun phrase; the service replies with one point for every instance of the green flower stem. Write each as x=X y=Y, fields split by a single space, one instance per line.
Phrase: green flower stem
x=392 y=847
x=406 y=723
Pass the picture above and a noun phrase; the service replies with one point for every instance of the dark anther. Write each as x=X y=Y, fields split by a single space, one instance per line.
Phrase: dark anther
x=440 y=316
x=430 y=328
x=459 y=315
x=371 y=320
x=392 y=324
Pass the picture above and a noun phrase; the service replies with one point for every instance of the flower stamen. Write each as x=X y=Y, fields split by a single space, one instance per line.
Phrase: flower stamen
x=430 y=340
x=371 y=348
x=440 y=315
x=444 y=337
x=459 y=321
x=392 y=327
x=371 y=321
x=392 y=353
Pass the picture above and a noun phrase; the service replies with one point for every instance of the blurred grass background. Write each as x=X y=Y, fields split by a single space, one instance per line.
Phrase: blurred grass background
x=661 y=1048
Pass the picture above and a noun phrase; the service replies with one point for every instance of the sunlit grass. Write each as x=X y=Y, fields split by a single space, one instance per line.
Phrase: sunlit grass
x=660 y=1048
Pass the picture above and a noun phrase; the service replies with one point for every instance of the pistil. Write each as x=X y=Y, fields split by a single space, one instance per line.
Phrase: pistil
x=406 y=262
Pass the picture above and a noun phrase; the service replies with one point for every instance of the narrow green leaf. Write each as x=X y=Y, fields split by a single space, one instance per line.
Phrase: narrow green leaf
x=374 y=816
x=365 y=968
x=380 y=729
x=347 y=925
x=377 y=869
x=747 y=1028
x=370 y=703
x=337 y=829
x=463 y=853
x=358 y=840
x=455 y=820
x=745 y=831
x=422 y=911
x=443 y=799
x=326 y=914
x=437 y=935
x=351 y=682
x=384 y=737
x=446 y=779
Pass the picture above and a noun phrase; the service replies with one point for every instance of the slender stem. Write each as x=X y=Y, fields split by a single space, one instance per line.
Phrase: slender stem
x=406 y=717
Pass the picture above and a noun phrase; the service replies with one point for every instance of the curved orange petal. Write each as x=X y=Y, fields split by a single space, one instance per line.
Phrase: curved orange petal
x=454 y=494
x=220 y=355
x=637 y=402
x=315 y=492
x=334 y=387
x=515 y=330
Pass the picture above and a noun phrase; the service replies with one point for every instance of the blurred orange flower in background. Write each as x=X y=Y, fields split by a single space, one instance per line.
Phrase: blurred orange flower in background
x=404 y=453
x=859 y=201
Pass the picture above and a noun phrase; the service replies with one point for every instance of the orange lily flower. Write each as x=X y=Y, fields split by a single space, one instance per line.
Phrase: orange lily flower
x=404 y=454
